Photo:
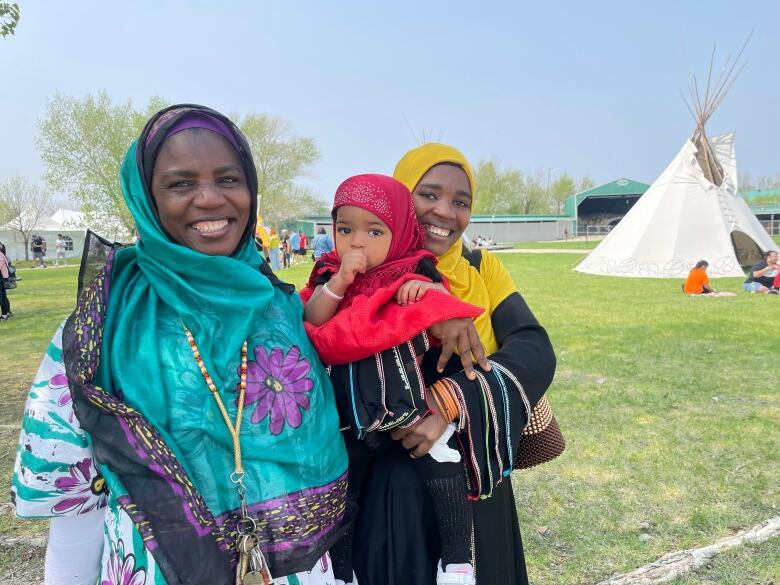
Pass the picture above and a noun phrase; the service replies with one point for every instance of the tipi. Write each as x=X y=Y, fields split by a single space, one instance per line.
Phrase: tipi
x=692 y=212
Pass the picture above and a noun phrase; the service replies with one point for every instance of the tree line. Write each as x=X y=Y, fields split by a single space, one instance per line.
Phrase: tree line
x=82 y=142
x=764 y=183
x=509 y=191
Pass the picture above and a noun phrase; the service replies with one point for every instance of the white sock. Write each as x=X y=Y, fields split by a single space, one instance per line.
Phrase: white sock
x=456 y=574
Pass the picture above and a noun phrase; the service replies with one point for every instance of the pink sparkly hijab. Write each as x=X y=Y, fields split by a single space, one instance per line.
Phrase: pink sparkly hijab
x=390 y=201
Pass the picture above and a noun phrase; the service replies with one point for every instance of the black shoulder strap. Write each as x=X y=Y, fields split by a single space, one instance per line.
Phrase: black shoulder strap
x=473 y=256
x=266 y=271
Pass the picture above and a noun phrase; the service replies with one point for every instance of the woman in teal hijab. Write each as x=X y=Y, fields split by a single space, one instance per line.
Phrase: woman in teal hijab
x=181 y=403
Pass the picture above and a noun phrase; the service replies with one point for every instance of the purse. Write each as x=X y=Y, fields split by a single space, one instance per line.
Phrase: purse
x=10 y=282
x=542 y=440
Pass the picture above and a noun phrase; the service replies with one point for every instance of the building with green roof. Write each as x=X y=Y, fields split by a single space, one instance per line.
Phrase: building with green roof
x=769 y=216
x=605 y=205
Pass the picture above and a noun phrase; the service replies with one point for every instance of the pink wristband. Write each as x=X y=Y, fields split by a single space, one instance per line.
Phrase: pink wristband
x=330 y=294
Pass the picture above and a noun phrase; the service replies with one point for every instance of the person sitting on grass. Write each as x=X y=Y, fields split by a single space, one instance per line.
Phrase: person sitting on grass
x=698 y=283
x=764 y=276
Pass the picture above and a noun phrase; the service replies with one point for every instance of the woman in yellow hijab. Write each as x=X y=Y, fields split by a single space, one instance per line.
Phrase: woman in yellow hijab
x=495 y=405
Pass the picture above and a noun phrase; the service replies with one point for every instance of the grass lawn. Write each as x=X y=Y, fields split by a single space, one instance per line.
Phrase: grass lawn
x=580 y=244
x=666 y=403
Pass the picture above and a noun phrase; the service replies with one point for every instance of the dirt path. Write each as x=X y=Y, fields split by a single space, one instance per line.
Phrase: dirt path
x=542 y=251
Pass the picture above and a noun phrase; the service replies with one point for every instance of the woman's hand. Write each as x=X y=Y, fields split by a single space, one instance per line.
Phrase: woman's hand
x=460 y=334
x=420 y=437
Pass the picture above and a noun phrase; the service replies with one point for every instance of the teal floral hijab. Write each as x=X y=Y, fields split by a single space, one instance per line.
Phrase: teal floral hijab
x=157 y=432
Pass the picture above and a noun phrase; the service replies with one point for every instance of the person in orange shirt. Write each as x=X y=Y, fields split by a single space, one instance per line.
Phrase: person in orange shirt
x=698 y=283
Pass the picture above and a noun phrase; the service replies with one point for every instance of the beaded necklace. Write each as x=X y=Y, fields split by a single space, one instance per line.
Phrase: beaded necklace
x=233 y=429
x=252 y=568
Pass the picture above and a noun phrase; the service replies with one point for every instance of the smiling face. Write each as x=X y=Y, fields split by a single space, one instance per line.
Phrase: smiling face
x=358 y=229
x=201 y=192
x=442 y=200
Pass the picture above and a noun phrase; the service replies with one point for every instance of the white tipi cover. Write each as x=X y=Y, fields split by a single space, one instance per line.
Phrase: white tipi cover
x=681 y=219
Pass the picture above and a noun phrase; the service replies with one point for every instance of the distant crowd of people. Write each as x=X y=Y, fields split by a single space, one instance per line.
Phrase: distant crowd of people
x=481 y=242
x=38 y=247
x=289 y=247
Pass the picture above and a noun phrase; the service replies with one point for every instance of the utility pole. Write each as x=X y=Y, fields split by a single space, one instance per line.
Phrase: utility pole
x=576 y=216
x=549 y=170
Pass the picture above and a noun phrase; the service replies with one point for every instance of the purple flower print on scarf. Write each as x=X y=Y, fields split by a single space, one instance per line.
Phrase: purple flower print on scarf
x=121 y=568
x=278 y=384
x=85 y=489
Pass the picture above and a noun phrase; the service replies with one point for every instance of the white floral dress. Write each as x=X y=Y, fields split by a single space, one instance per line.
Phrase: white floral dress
x=55 y=475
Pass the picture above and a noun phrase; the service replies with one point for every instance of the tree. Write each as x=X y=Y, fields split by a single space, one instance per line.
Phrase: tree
x=498 y=191
x=746 y=182
x=767 y=199
x=586 y=183
x=534 y=198
x=281 y=158
x=27 y=205
x=304 y=202
x=6 y=214
x=9 y=18
x=560 y=190
x=509 y=191
x=82 y=142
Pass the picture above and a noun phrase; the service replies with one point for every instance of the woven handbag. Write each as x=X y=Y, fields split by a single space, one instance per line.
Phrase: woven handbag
x=542 y=440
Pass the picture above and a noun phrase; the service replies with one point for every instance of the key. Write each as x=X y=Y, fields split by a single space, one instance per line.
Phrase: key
x=244 y=545
x=255 y=578
x=241 y=568
x=247 y=543
x=258 y=565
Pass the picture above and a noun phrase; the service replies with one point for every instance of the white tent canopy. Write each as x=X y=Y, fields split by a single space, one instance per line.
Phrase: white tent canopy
x=684 y=218
x=70 y=224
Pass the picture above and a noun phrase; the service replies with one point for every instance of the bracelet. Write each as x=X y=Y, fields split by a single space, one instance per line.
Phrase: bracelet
x=432 y=390
x=330 y=294
x=449 y=401
x=444 y=398
x=452 y=401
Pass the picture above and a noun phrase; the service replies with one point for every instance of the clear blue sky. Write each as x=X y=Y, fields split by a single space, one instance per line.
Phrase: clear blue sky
x=586 y=87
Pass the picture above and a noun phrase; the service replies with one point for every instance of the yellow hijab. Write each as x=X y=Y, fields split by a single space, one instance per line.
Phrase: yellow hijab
x=466 y=282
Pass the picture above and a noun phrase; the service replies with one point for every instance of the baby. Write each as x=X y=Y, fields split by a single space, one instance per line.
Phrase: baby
x=375 y=296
